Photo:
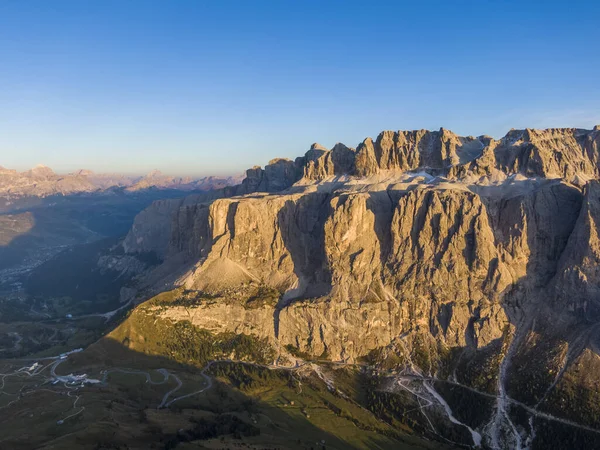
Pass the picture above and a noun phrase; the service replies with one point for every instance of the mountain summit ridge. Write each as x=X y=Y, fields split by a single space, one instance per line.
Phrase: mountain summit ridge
x=567 y=153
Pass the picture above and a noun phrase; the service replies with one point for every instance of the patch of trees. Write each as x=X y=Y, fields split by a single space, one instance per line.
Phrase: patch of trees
x=264 y=296
x=187 y=343
x=221 y=425
x=555 y=435
x=247 y=377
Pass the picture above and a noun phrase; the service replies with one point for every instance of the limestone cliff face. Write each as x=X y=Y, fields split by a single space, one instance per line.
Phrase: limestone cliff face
x=355 y=270
x=188 y=231
x=358 y=265
x=356 y=239
x=152 y=228
x=168 y=227
x=443 y=257
x=276 y=240
x=577 y=285
x=320 y=163
x=532 y=230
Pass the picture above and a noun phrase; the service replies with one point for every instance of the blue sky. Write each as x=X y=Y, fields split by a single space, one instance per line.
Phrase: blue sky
x=214 y=87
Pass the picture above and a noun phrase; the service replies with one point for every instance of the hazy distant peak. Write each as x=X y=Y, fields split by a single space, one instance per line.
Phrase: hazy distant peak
x=84 y=172
x=4 y=170
x=41 y=181
x=42 y=170
x=278 y=160
x=154 y=174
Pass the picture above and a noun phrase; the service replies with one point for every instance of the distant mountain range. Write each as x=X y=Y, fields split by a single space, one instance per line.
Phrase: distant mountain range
x=42 y=181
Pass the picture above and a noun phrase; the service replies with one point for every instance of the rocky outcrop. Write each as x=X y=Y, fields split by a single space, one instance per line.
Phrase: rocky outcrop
x=278 y=175
x=172 y=226
x=223 y=316
x=412 y=150
x=188 y=231
x=151 y=230
x=320 y=163
x=570 y=154
x=370 y=266
x=168 y=227
x=444 y=261
x=274 y=239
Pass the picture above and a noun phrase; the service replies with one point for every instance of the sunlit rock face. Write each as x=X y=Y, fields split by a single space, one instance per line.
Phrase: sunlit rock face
x=456 y=255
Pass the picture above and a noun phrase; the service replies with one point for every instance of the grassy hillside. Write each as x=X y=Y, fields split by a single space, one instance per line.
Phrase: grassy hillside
x=242 y=404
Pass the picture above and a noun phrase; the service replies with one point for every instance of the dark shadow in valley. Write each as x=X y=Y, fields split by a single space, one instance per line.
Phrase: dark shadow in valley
x=50 y=254
x=122 y=411
x=61 y=221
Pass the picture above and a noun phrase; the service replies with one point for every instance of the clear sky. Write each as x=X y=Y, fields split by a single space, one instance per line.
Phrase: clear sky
x=213 y=87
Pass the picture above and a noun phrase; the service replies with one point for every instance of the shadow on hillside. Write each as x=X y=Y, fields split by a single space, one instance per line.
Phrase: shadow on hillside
x=225 y=412
x=61 y=221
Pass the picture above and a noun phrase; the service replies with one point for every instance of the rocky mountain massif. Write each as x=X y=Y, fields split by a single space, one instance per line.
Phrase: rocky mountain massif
x=461 y=273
